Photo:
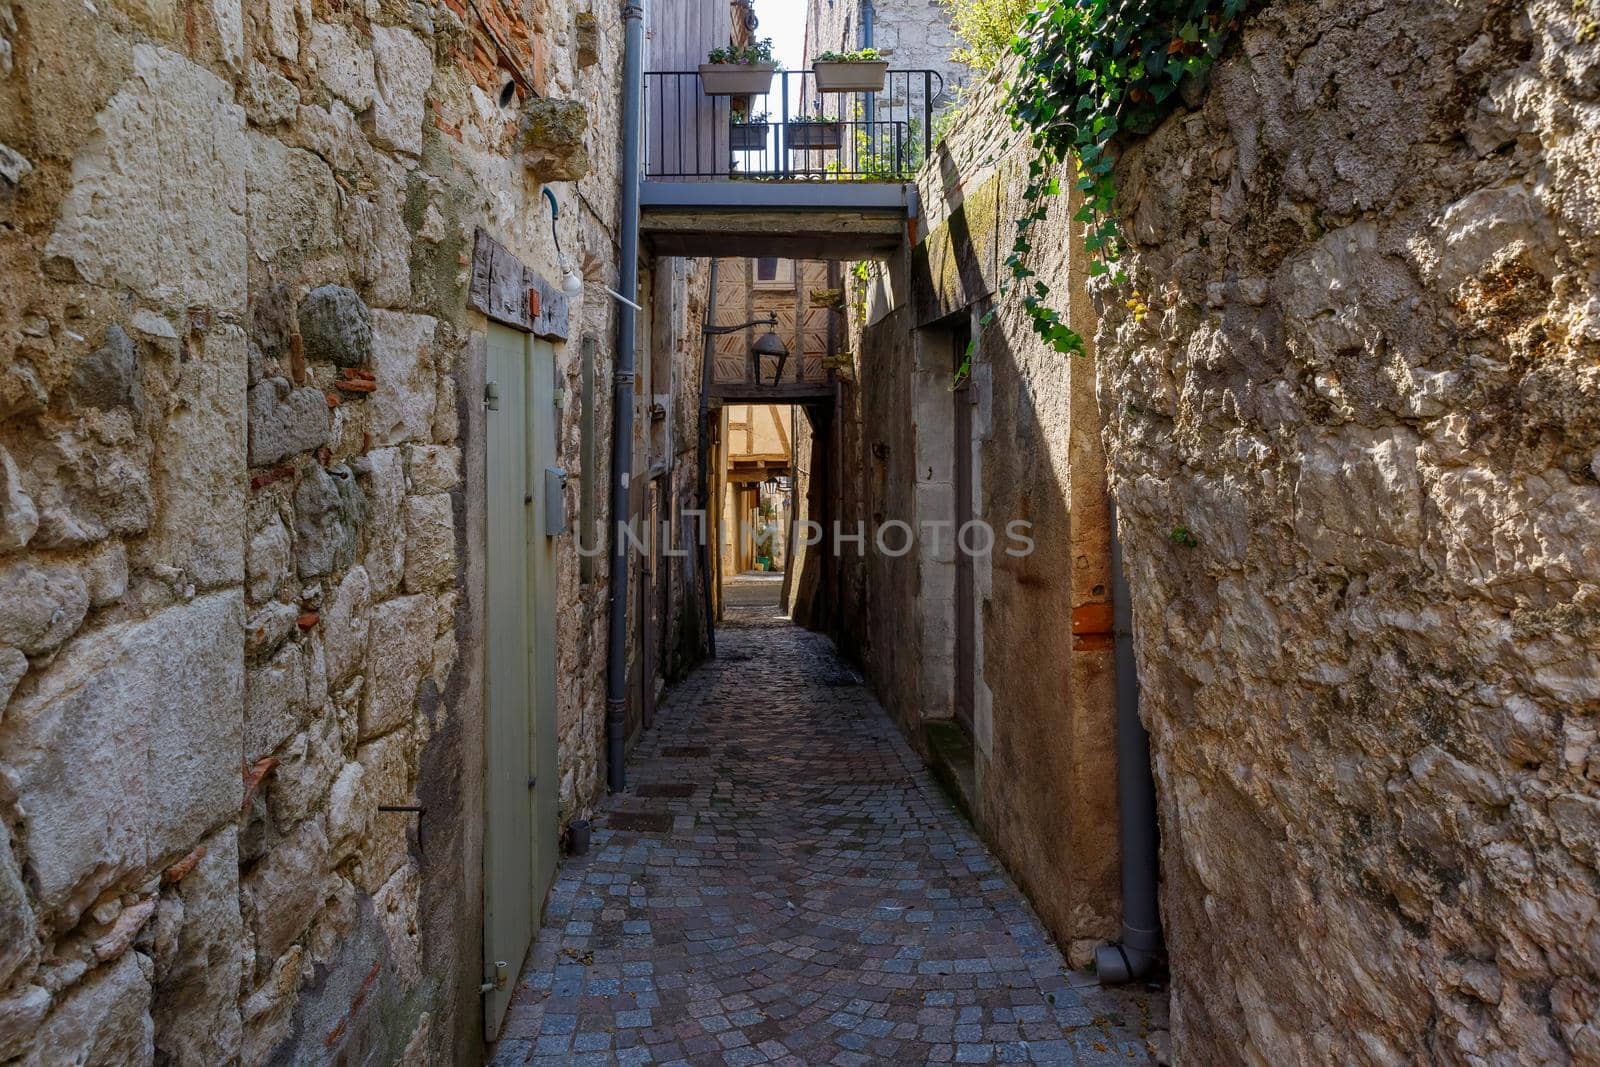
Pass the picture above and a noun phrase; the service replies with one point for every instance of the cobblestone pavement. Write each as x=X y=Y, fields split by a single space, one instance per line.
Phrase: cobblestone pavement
x=752 y=590
x=785 y=883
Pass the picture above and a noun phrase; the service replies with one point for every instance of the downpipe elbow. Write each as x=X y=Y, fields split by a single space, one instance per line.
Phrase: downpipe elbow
x=1120 y=962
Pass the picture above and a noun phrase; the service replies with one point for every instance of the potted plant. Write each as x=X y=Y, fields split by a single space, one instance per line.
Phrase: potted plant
x=851 y=72
x=734 y=71
x=814 y=132
x=748 y=133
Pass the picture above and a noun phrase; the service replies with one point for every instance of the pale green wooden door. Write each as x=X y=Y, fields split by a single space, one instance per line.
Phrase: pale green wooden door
x=510 y=907
x=543 y=430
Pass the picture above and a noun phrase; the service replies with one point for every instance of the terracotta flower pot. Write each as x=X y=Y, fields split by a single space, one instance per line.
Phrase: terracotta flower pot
x=851 y=77
x=737 y=79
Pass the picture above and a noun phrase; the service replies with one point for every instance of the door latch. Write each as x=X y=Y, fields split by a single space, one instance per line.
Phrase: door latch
x=501 y=969
x=491 y=396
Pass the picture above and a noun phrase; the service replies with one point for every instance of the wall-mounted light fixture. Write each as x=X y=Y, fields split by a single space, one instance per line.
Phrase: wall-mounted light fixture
x=768 y=344
x=571 y=280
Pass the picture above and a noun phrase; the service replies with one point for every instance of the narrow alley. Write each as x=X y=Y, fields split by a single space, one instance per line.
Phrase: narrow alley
x=784 y=882
x=799 y=531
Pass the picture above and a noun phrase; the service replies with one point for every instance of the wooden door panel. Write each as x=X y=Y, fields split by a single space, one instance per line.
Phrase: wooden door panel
x=508 y=912
x=543 y=454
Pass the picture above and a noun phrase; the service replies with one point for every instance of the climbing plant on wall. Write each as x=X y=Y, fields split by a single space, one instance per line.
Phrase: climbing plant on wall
x=986 y=29
x=1092 y=71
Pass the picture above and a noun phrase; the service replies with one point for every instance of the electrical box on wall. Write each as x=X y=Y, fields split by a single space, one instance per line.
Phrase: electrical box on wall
x=555 y=504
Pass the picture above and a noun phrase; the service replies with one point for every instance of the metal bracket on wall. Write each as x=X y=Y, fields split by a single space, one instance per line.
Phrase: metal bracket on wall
x=502 y=971
x=491 y=396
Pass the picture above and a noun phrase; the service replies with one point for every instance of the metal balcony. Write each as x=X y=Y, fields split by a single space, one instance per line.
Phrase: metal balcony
x=793 y=171
x=777 y=136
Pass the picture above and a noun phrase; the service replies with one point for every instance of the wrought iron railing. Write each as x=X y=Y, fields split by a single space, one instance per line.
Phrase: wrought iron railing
x=792 y=132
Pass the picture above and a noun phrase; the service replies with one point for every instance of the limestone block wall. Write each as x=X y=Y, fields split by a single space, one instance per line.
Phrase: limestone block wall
x=1043 y=711
x=1043 y=705
x=912 y=34
x=1356 y=447
x=863 y=472
x=240 y=569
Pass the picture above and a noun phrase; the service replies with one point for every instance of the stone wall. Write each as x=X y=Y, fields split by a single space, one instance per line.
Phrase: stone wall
x=1039 y=767
x=1355 y=442
x=865 y=463
x=912 y=35
x=240 y=543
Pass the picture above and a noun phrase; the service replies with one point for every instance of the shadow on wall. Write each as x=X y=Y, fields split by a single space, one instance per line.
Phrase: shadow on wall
x=1043 y=698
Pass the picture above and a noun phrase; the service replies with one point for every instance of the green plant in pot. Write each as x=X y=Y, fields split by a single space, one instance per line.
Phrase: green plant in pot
x=814 y=132
x=735 y=71
x=748 y=132
x=863 y=71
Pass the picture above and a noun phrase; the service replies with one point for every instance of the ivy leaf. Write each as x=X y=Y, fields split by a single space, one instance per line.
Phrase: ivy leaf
x=1092 y=69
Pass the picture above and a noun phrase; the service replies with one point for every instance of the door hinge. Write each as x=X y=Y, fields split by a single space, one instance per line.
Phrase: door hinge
x=501 y=970
x=532 y=782
x=491 y=396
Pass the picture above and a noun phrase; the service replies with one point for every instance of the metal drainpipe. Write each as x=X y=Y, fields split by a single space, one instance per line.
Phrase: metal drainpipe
x=622 y=402
x=870 y=112
x=709 y=527
x=1133 y=956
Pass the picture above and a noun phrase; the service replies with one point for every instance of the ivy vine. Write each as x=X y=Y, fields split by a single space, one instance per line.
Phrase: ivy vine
x=1093 y=71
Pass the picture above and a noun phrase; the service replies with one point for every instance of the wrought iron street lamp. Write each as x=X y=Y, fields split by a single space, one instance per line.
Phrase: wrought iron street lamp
x=768 y=344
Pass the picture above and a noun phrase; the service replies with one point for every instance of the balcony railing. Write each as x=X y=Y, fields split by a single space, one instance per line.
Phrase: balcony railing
x=793 y=132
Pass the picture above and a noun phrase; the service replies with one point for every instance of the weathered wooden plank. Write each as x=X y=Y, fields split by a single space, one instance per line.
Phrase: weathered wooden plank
x=788 y=392
x=554 y=309
x=823 y=246
x=508 y=297
x=482 y=257
x=500 y=286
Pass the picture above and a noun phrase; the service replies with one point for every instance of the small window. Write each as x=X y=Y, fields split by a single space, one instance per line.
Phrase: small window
x=772 y=273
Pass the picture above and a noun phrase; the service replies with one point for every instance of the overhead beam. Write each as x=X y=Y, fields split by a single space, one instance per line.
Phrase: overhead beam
x=797 y=220
x=752 y=234
x=787 y=393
